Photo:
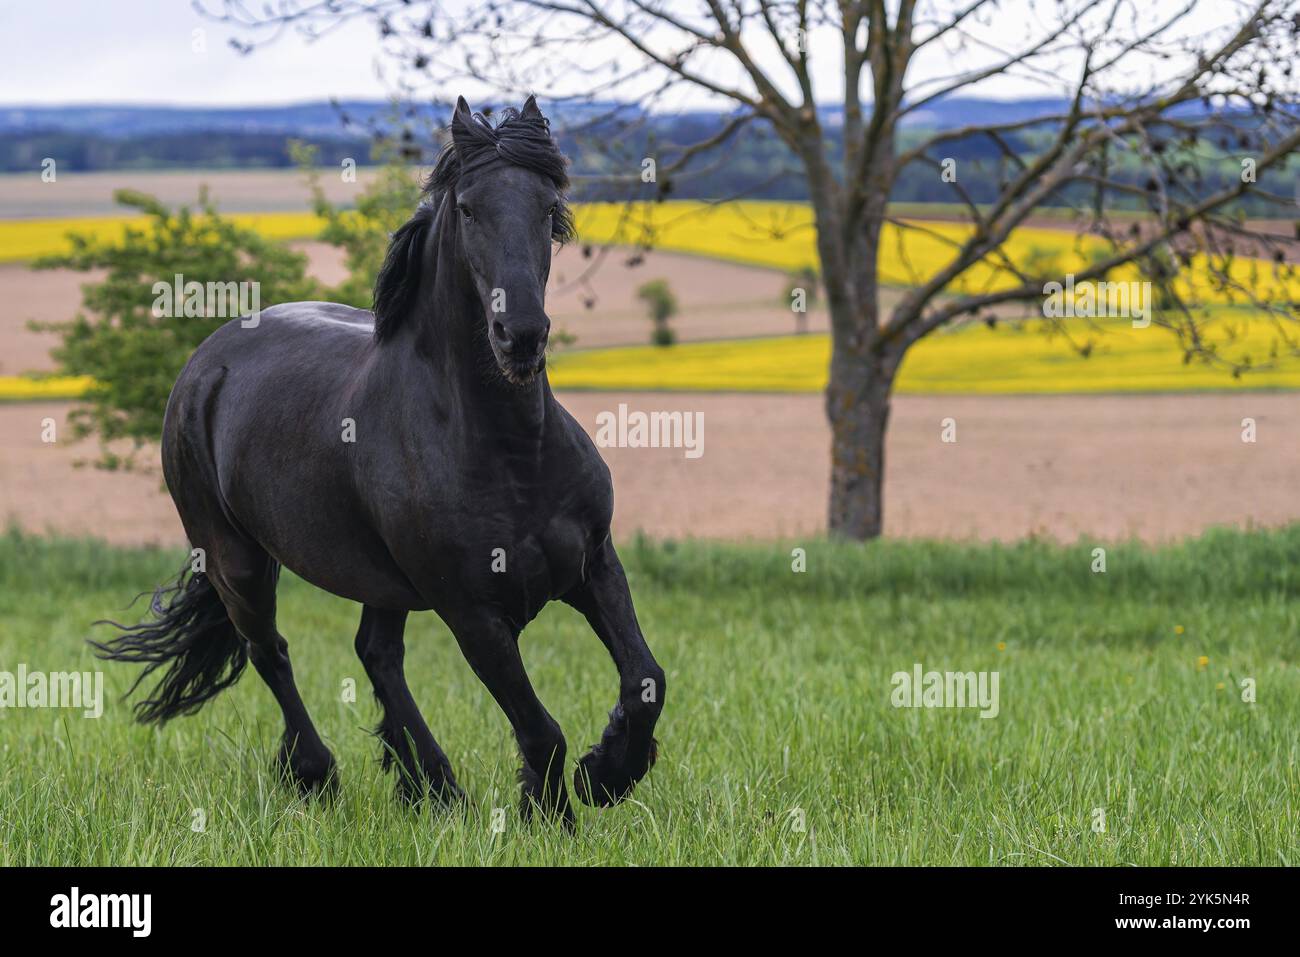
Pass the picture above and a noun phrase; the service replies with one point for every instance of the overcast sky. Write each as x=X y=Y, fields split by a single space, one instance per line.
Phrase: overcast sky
x=147 y=51
x=143 y=51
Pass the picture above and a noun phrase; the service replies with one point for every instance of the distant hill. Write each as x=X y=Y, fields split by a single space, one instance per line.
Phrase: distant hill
x=320 y=119
x=86 y=137
x=755 y=163
x=323 y=118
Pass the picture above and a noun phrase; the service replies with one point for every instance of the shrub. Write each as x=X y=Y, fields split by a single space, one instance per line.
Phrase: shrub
x=806 y=280
x=659 y=298
x=363 y=232
x=119 y=339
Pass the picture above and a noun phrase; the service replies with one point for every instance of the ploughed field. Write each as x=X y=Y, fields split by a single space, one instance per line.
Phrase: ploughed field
x=1089 y=468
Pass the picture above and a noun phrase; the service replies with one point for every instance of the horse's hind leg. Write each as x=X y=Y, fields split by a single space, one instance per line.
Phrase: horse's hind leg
x=422 y=766
x=492 y=650
x=607 y=772
x=245 y=576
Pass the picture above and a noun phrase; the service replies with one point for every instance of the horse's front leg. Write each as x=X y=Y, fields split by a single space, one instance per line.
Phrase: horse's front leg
x=423 y=768
x=607 y=773
x=492 y=649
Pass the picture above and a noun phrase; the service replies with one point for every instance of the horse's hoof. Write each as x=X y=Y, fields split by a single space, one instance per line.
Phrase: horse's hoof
x=322 y=785
x=593 y=783
x=601 y=782
x=325 y=787
x=316 y=777
x=445 y=793
x=530 y=808
x=535 y=801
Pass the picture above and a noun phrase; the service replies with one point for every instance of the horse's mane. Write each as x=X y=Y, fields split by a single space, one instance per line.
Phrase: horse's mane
x=515 y=139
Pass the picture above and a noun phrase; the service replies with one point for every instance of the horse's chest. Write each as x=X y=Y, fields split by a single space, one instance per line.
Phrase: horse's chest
x=531 y=566
x=513 y=544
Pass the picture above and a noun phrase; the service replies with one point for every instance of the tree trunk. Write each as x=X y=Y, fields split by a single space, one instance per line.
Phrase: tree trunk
x=857 y=405
x=862 y=366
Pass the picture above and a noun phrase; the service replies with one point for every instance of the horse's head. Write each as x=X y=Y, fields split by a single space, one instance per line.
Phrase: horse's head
x=500 y=187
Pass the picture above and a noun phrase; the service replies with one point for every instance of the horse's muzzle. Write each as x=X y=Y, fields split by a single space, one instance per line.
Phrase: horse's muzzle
x=520 y=351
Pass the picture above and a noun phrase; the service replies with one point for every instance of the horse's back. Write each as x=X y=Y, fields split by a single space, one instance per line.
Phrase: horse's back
x=260 y=432
x=290 y=357
x=285 y=337
x=328 y=326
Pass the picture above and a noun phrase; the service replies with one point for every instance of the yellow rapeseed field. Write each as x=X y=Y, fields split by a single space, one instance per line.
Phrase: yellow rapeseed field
x=24 y=239
x=25 y=389
x=972 y=359
x=969 y=360
x=1012 y=358
x=780 y=235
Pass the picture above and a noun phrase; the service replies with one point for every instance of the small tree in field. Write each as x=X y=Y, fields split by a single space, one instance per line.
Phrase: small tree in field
x=132 y=349
x=363 y=232
x=662 y=304
x=800 y=296
x=1128 y=98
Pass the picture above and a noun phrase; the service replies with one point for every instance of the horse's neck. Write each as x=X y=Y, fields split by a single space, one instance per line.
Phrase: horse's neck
x=450 y=339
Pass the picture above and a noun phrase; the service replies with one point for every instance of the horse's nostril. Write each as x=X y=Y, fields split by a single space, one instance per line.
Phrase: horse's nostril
x=523 y=343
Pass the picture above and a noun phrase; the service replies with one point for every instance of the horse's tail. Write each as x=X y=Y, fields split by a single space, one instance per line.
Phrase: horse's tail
x=193 y=636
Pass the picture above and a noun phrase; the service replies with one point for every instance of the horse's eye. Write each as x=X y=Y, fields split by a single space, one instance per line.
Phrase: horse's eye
x=465 y=213
x=555 y=208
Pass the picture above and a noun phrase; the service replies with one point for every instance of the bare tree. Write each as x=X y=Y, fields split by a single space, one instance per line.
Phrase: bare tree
x=1132 y=85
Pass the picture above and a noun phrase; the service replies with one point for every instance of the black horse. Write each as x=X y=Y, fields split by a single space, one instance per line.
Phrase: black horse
x=411 y=459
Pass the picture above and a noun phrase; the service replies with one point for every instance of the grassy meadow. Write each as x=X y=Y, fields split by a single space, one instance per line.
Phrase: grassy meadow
x=1119 y=691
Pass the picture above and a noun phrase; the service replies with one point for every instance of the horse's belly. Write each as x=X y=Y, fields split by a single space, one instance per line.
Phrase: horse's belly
x=361 y=573
x=307 y=517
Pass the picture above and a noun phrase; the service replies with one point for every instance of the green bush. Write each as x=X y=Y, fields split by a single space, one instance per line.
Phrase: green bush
x=805 y=279
x=119 y=337
x=659 y=298
x=363 y=232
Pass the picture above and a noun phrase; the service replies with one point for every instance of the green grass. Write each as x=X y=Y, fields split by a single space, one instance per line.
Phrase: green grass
x=778 y=699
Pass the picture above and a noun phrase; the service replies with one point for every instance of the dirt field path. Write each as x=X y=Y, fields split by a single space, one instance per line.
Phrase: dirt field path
x=1105 y=468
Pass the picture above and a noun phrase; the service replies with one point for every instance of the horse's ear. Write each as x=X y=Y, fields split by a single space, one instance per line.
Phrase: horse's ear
x=461 y=119
x=531 y=110
x=399 y=277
